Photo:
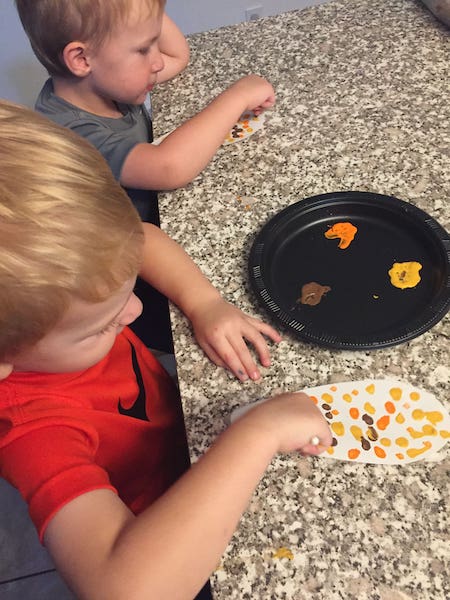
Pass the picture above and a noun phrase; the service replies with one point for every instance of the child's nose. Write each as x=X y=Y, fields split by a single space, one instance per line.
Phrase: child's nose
x=157 y=62
x=132 y=311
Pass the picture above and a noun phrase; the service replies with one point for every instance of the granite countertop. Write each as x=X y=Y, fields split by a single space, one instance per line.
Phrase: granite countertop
x=362 y=104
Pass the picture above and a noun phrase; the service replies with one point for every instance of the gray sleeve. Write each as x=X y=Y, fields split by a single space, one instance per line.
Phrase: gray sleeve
x=113 y=145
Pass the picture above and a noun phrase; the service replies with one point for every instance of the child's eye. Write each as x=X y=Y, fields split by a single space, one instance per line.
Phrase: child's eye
x=144 y=51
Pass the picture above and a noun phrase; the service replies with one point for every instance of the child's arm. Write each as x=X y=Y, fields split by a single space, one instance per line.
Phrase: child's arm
x=170 y=550
x=186 y=151
x=220 y=328
x=174 y=49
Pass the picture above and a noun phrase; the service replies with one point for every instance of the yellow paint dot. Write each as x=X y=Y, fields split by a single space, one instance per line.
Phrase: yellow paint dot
x=330 y=450
x=385 y=442
x=283 y=553
x=426 y=430
x=369 y=408
x=356 y=432
x=413 y=452
x=338 y=428
x=347 y=397
x=402 y=442
x=434 y=416
x=328 y=398
x=370 y=389
x=414 y=396
x=444 y=434
x=400 y=418
x=396 y=393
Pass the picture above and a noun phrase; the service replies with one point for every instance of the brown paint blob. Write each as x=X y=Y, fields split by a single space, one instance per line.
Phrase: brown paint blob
x=312 y=293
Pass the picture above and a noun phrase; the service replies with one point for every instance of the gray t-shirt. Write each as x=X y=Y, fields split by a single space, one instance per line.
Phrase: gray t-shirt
x=113 y=137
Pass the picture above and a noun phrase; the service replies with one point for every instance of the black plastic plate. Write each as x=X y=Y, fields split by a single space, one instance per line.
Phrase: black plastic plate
x=363 y=310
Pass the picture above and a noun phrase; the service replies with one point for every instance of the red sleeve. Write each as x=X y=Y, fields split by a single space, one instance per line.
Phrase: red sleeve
x=47 y=479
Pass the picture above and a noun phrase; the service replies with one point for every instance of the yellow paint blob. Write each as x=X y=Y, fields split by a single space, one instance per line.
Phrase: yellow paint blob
x=444 y=434
x=414 y=396
x=370 y=389
x=414 y=452
x=402 y=442
x=395 y=393
x=356 y=432
x=434 y=416
x=338 y=427
x=426 y=430
x=344 y=231
x=369 y=408
x=405 y=275
x=400 y=418
x=283 y=553
x=328 y=398
x=347 y=397
x=385 y=442
x=330 y=450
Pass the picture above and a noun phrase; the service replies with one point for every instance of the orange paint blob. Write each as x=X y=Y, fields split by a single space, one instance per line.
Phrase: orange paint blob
x=354 y=412
x=333 y=388
x=353 y=453
x=379 y=452
x=390 y=408
x=400 y=456
x=345 y=232
x=314 y=399
x=383 y=422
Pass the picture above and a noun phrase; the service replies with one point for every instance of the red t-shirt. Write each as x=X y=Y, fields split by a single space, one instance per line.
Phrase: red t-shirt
x=116 y=425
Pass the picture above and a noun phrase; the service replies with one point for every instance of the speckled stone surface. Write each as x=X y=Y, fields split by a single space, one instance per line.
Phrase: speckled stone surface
x=363 y=103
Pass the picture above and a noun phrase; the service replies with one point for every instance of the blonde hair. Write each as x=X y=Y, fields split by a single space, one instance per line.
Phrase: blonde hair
x=52 y=24
x=67 y=228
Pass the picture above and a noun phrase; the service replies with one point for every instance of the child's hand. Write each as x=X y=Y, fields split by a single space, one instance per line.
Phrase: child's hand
x=221 y=330
x=293 y=420
x=258 y=92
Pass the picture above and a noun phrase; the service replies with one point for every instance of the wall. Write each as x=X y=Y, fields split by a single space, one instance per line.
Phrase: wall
x=193 y=16
x=21 y=76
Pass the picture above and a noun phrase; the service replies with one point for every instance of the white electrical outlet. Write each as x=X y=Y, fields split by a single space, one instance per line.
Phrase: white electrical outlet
x=253 y=13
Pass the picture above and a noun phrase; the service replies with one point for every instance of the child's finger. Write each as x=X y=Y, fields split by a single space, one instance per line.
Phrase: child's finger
x=265 y=329
x=244 y=356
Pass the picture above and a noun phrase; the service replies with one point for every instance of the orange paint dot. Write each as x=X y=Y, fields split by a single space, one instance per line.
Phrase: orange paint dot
x=335 y=411
x=344 y=231
x=333 y=388
x=383 y=422
x=390 y=408
x=396 y=393
x=355 y=392
x=314 y=399
x=400 y=456
x=379 y=452
x=354 y=412
x=353 y=453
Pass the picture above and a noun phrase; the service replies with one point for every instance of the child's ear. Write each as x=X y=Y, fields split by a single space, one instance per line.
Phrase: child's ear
x=76 y=59
x=5 y=370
